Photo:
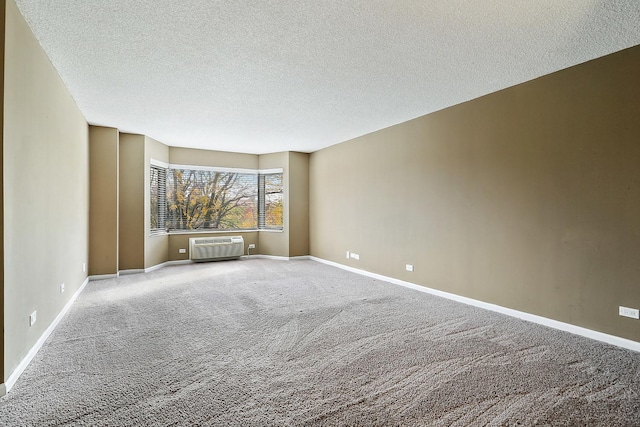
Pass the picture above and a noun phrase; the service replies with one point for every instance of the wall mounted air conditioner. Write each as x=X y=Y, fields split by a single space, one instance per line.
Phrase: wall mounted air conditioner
x=215 y=248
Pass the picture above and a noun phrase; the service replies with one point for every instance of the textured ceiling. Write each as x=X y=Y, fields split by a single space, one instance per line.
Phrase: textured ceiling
x=274 y=75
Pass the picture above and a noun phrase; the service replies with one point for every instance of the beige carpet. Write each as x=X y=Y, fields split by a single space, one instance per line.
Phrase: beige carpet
x=261 y=342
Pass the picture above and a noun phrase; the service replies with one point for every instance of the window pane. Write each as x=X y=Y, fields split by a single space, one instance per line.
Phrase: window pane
x=209 y=200
x=273 y=201
x=158 y=200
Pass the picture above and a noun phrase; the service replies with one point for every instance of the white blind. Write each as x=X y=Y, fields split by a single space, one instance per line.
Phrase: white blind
x=270 y=203
x=201 y=199
x=211 y=200
x=158 y=199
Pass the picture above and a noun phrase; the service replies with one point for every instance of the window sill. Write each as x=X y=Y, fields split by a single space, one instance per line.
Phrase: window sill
x=178 y=233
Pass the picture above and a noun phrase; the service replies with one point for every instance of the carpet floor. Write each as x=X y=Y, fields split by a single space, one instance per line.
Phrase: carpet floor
x=274 y=343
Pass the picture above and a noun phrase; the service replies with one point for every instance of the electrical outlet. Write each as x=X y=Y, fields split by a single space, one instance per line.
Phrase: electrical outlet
x=409 y=267
x=32 y=318
x=629 y=312
x=182 y=251
x=252 y=246
x=348 y=255
x=84 y=267
x=355 y=256
x=62 y=288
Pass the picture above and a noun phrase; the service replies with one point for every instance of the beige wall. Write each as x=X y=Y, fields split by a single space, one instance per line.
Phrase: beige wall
x=103 y=200
x=276 y=243
x=181 y=241
x=156 y=247
x=528 y=198
x=221 y=159
x=267 y=242
x=2 y=60
x=131 y=229
x=298 y=204
x=45 y=166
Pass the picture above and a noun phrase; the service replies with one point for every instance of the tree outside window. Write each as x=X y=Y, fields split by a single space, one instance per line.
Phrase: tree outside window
x=202 y=199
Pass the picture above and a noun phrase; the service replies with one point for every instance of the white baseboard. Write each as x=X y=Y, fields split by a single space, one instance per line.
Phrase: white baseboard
x=156 y=267
x=103 y=277
x=180 y=262
x=167 y=263
x=277 y=258
x=257 y=256
x=188 y=261
x=567 y=327
x=6 y=387
x=132 y=271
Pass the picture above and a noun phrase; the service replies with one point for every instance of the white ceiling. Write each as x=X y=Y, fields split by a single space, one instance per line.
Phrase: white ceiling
x=275 y=75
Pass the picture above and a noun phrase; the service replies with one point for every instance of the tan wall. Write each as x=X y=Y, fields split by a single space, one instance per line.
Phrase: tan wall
x=45 y=167
x=276 y=243
x=298 y=204
x=528 y=198
x=181 y=241
x=104 y=199
x=221 y=159
x=187 y=156
x=131 y=230
x=156 y=247
x=2 y=60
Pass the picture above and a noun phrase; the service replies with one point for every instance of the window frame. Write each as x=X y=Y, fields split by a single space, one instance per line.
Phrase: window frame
x=211 y=199
x=258 y=172
x=162 y=198
x=262 y=200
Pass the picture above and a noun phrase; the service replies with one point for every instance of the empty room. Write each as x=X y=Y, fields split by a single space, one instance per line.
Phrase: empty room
x=279 y=213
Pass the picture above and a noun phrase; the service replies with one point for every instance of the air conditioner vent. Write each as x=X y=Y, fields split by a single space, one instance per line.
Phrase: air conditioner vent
x=215 y=248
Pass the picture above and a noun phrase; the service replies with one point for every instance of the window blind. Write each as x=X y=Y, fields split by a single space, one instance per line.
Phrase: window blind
x=208 y=198
x=211 y=200
x=158 y=199
x=270 y=205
